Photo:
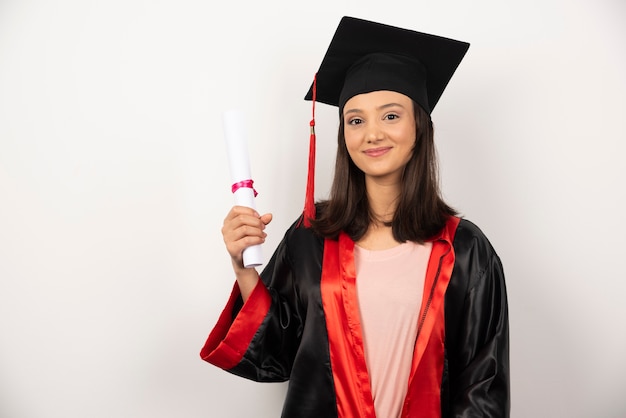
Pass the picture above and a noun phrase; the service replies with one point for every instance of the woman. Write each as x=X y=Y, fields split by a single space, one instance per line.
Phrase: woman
x=383 y=303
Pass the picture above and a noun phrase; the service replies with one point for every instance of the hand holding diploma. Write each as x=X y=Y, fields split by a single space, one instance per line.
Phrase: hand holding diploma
x=242 y=183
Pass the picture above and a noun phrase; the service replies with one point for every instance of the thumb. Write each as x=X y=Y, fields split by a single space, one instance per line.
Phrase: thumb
x=266 y=218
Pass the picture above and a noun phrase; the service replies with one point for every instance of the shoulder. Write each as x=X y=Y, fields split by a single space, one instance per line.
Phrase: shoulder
x=474 y=253
x=300 y=238
x=470 y=238
x=299 y=245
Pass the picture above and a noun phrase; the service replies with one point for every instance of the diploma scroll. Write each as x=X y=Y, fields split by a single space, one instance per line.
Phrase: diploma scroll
x=237 y=147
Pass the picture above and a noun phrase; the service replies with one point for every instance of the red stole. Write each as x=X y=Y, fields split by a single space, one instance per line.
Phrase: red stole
x=347 y=356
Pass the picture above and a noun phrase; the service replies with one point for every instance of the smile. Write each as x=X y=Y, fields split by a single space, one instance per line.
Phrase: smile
x=376 y=152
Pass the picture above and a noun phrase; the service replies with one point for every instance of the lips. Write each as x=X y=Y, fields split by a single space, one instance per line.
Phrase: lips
x=376 y=152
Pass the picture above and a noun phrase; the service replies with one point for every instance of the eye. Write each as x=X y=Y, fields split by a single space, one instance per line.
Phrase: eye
x=391 y=116
x=355 y=121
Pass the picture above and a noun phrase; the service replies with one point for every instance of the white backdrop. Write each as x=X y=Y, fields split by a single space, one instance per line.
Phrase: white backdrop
x=114 y=183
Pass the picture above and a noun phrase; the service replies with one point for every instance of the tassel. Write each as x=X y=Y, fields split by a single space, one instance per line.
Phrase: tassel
x=309 y=200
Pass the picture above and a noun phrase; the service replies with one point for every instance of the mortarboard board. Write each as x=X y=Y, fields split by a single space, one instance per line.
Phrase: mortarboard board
x=366 y=56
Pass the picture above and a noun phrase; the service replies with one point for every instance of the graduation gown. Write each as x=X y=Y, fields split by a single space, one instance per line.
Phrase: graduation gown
x=301 y=323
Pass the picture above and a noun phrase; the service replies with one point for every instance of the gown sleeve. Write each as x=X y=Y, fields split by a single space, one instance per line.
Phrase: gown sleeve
x=478 y=358
x=258 y=340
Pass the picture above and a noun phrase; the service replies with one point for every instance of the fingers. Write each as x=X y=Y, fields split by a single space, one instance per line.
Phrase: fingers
x=242 y=228
x=242 y=217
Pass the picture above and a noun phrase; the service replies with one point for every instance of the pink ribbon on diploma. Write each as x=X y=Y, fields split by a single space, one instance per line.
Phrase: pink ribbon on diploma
x=244 y=183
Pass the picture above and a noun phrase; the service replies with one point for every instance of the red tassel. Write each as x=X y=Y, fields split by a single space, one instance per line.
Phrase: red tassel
x=309 y=200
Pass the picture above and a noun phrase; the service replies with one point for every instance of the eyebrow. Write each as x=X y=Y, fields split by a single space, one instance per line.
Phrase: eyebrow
x=382 y=107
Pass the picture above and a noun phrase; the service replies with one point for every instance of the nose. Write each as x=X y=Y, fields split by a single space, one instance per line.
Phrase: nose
x=374 y=133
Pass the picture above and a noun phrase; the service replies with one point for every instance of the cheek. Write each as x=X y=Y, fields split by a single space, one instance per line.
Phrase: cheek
x=351 y=144
x=352 y=152
x=408 y=139
x=407 y=133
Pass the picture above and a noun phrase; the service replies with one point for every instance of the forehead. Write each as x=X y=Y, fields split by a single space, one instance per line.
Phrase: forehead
x=376 y=100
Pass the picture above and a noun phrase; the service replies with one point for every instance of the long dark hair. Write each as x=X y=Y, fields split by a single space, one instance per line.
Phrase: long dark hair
x=421 y=212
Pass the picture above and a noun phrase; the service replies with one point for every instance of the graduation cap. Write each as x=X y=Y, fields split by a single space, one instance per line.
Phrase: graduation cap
x=366 y=56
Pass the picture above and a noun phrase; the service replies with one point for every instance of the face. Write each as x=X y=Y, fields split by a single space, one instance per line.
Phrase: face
x=380 y=134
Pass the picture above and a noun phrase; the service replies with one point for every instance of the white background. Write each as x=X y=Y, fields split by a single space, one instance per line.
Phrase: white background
x=114 y=184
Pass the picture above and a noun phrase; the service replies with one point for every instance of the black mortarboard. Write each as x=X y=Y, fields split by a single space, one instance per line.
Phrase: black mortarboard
x=366 y=56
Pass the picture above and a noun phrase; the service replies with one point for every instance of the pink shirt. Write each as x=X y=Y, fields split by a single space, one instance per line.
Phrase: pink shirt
x=390 y=285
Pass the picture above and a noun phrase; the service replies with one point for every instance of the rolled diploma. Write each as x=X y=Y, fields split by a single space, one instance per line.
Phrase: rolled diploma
x=236 y=144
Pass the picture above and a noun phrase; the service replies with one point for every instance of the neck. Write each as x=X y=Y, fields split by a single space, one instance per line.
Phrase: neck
x=383 y=200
